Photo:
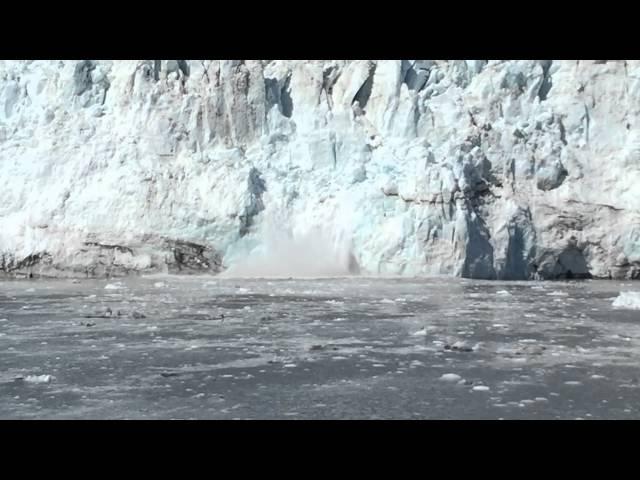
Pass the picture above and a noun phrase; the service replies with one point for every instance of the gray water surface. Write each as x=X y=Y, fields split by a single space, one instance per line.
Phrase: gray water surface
x=340 y=348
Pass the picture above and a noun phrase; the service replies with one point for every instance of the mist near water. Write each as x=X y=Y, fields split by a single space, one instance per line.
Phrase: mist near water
x=283 y=254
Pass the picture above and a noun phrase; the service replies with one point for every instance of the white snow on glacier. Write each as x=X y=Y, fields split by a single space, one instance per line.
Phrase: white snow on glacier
x=484 y=169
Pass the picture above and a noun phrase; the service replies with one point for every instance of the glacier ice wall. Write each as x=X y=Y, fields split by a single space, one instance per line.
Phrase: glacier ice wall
x=483 y=169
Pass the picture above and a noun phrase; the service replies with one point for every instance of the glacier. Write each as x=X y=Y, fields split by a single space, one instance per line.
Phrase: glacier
x=481 y=169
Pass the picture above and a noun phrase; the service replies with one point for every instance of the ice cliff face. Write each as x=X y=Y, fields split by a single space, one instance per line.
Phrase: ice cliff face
x=483 y=169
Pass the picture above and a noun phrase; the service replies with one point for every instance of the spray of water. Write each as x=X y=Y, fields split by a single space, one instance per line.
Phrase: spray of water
x=283 y=254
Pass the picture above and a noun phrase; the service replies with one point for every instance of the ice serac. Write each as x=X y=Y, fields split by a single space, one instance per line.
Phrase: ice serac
x=483 y=169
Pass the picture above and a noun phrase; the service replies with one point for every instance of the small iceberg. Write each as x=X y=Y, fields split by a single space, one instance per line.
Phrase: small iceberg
x=628 y=300
x=420 y=333
x=38 y=378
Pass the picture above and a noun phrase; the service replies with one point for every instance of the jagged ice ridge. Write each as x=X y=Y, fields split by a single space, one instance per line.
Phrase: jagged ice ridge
x=481 y=169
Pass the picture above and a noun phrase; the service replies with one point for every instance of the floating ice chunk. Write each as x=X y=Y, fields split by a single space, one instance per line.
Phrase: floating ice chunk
x=450 y=377
x=628 y=300
x=38 y=378
x=159 y=284
x=113 y=286
x=289 y=365
x=558 y=293
x=503 y=293
x=573 y=382
x=387 y=300
x=420 y=333
x=30 y=290
x=480 y=388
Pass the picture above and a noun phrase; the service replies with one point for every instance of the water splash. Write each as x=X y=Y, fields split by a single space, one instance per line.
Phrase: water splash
x=282 y=253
